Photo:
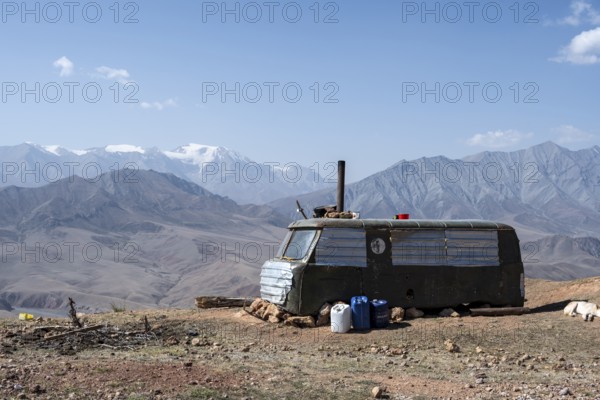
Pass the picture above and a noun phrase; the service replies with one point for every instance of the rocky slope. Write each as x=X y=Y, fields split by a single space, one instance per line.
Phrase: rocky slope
x=148 y=239
x=550 y=194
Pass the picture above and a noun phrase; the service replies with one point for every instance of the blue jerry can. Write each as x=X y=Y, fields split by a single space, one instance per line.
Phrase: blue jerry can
x=360 y=313
x=380 y=317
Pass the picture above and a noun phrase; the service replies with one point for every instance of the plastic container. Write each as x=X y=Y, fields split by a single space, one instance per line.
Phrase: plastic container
x=341 y=318
x=360 y=313
x=25 y=317
x=380 y=317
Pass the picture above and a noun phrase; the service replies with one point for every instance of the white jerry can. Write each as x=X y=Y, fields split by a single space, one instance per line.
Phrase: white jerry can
x=341 y=318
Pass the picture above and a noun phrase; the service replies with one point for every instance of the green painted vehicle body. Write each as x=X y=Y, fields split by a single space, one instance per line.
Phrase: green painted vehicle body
x=410 y=263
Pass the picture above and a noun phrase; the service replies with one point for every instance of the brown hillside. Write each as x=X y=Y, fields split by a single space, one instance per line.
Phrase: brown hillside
x=228 y=354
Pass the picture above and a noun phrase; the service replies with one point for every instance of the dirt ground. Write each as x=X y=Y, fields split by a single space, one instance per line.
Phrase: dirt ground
x=228 y=354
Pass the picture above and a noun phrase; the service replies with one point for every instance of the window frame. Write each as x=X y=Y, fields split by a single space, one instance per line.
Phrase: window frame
x=289 y=238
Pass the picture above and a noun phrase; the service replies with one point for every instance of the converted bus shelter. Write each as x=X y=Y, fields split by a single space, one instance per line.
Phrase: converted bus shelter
x=409 y=263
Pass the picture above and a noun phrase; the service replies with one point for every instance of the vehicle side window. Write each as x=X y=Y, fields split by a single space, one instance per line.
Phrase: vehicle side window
x=342 y=247
x=472 y=248
x=299 y=244
x=452 y=247
x=418 y=247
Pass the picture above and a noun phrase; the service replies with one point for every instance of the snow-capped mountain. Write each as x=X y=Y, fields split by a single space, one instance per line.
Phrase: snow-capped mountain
x=218 y=169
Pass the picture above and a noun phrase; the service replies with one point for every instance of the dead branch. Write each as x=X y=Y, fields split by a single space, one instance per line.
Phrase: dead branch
x=50 y=328
x=82 y=330
x=73 y=314
x=147 y=327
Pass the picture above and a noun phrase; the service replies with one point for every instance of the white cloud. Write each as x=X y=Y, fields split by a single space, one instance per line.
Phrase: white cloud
x=568 y=134
x=583 y=49
x=582 y=12
x=119 y=75
x=157 y=105
x=66 y=66
x=498 y=139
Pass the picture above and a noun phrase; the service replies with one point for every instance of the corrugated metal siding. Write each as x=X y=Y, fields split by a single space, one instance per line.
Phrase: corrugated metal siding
x=342 y=247
x=467 y=248
x=445 y=247
x=418 y=247
x=275 y=281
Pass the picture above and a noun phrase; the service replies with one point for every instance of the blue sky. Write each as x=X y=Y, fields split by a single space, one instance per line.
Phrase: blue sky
x=380 y=81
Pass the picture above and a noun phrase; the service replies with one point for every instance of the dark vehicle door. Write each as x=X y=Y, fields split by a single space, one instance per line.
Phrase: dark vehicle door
x=378 y=279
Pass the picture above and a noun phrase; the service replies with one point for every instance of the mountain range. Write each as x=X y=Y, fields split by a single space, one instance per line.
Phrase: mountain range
x=157 y=240
x=218 y=169
x=110 y=234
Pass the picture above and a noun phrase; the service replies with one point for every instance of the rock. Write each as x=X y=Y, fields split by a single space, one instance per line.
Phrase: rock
x=413 y=313
x=171 y=341
x=301 y=322
x=37 y=389
x=448 y=312
x=273 y=319
x=479 y=350
x=260 y=313
x=480 y=381
x=565 y=392
x=397 y=314
x=451 y=347
x=257 y=304
x=377 y=392
x=324 y=315
x=272 y=310
x=523 y=358
x=196 y=341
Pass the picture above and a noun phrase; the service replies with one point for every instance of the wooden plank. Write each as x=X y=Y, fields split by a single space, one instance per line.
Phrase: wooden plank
x=50 y=328
x=222 y=302
x=498 y=312
x=82 y=330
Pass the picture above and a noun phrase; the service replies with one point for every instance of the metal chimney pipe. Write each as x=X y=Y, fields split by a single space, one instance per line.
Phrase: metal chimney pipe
x=341 y=185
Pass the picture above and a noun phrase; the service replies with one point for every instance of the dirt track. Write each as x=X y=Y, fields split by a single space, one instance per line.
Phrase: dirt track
x=191 y=354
